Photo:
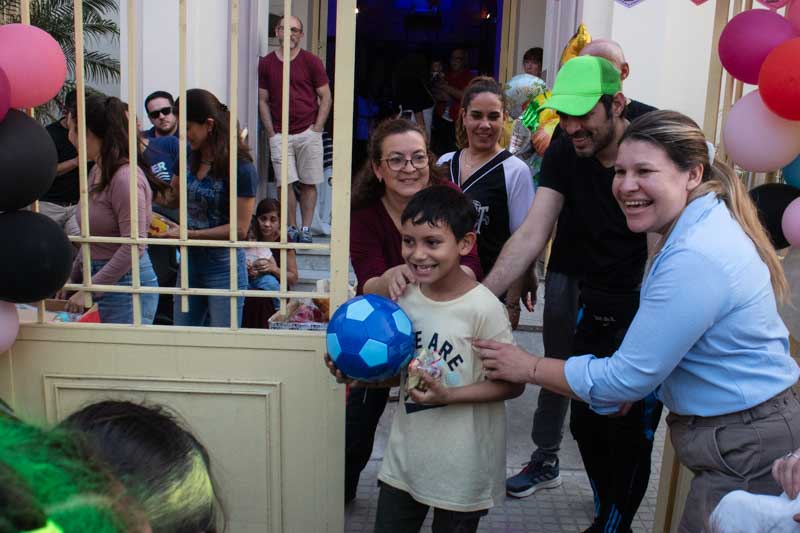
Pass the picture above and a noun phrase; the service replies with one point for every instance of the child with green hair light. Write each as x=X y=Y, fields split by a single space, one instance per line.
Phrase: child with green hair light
x=50 y=483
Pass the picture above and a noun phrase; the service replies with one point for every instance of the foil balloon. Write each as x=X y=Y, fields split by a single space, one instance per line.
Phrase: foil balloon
x=790 y=309
x=576 y=44
x=520 y=91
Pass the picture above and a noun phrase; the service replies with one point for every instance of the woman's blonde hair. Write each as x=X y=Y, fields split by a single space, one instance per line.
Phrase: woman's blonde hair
x=685 y=144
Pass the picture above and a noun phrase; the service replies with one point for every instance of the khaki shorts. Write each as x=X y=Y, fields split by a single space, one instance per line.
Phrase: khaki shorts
x=305 y=157
x=63 y=215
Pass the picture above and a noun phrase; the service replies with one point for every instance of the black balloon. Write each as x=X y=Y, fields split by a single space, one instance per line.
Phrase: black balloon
x=37 y=257
x=771 y=199
x=28 y=161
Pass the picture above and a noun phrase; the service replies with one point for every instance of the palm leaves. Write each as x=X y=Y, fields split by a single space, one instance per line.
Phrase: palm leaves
x=56 y=18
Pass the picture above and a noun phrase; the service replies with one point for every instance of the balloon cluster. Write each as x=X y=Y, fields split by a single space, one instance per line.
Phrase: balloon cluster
x=760 y=47
x=38 y=254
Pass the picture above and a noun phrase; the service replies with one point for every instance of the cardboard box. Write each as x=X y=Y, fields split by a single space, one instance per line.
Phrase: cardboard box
x=55 y=311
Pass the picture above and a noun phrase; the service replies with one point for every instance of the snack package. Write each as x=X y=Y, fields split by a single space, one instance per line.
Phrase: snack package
x=307 y=312
x=424 y=362
x=158 y=225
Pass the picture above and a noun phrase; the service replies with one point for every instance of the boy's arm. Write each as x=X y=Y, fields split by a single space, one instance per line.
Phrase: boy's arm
x=485 y=391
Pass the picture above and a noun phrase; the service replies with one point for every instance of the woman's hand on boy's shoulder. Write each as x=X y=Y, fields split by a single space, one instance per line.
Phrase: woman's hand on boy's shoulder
x=397 y=279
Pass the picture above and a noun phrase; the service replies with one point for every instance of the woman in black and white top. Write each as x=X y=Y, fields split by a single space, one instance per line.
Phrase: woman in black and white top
x=499 y=184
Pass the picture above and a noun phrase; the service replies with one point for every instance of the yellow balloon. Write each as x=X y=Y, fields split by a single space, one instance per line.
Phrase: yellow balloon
x=576 y=44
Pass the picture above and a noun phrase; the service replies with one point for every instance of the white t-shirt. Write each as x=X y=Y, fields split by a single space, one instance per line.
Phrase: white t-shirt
x=453 y=456
x=252 y=255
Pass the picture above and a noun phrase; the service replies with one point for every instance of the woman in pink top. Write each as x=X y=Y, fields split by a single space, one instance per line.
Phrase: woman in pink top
x=110 y=212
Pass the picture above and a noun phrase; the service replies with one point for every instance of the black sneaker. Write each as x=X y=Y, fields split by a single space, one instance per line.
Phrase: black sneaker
x=537 y=475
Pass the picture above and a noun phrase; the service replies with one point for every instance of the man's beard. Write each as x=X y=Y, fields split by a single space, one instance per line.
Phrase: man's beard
x=166 y=131
x=599 y=141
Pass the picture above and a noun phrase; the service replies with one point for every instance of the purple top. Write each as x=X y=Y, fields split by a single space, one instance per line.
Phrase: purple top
x=375 y=245
x=110 y=216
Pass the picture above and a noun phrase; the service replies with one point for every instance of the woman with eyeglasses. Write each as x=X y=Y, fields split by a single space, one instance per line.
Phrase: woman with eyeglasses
x=207 y=181
x=110 y=212
x=399 y=165
x=499 y=184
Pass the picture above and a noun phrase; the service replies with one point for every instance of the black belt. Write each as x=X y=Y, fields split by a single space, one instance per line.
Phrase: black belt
x=61 y=202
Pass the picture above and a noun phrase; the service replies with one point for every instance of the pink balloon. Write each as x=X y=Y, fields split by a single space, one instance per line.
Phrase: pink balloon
x=757 y=139
x=773 y=4
x=34 y=63
x=793 y=14
x=747 y=40
x=9 y=325
x=5 y=95
x=790 y=223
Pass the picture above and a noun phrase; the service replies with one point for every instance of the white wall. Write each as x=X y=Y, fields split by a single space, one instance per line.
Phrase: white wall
x=668 y=46
x=208 y=50
x=300 y=8
x=530 y=28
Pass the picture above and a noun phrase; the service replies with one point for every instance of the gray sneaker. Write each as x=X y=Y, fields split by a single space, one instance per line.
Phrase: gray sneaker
x=292 y=234
x=537 y=475
x=304 y=236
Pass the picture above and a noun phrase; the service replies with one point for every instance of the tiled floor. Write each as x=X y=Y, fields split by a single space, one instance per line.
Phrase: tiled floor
x=567 y=508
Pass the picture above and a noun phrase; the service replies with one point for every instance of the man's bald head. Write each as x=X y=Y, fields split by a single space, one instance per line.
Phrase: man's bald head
x=610 y=50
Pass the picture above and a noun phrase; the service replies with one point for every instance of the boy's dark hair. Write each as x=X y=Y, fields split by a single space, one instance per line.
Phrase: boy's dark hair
x=159 y=94
x=534 y=54
x=441 y=204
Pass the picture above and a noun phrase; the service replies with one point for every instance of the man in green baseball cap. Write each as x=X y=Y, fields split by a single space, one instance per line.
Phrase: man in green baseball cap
x=582 y=84
x=596 y=263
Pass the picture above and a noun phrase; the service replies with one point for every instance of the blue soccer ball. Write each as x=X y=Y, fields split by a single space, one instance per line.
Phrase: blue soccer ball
x=370 y=338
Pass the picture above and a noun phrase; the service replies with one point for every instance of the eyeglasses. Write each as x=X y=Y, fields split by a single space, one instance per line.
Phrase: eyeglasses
x=398 y=162
x=294 y=31
x=166 y=111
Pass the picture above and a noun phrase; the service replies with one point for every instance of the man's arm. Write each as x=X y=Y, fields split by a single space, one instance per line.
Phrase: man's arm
x=263 y=111
x=527 y=242
x=325 y=101
x=67 y=166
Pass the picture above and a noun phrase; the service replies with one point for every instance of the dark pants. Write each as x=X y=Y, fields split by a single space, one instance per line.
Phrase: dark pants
x=398 y=512
x=165 y=263
x=558 y=320
x=364 y=410
x=615 y=450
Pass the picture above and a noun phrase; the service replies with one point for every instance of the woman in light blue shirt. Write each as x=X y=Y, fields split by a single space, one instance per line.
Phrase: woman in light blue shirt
x=707 y=337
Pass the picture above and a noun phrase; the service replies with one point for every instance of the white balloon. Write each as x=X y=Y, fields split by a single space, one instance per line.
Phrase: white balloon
x=790 y=310
x=9 y=325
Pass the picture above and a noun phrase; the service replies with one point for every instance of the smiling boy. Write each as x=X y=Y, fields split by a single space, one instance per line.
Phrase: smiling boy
x=447 y=445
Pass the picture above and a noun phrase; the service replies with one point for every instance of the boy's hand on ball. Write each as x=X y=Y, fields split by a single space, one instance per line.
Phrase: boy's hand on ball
x=434 y=393
x=398 y=279
x=335 y=372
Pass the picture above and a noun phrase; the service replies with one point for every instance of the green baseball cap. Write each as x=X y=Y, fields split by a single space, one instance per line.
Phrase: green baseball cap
x=580 y=83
